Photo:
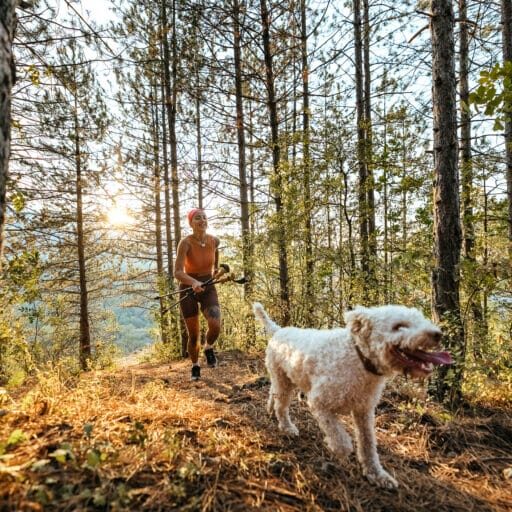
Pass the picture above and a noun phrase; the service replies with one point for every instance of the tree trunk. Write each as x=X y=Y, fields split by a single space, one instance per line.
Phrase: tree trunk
x=7 y=77
x=506 y=20
x=167 y=198
x=276 y=161
x=308 y=240
x=247 y=248
x=368 y=158
x=361 y=151
x=161 y=278
x=171 y=94
x=200 y=192
x=85 y=332
x=467 y=177
x=447 y=231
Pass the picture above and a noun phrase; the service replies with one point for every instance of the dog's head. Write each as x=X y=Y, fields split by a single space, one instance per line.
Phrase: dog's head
x=397 y=339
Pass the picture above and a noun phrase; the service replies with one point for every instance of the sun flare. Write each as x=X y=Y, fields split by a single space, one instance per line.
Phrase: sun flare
x=118 y=216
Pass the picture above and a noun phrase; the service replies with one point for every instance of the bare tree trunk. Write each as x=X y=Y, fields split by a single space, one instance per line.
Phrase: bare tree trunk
x=196 y=13
x=447 y=231
x=85 y=332
x=368 y=158
x=506 y=20
x=171 y=94
x=247 y=248
x=276 y=160
x=361 y=150
x=161 y=278
x=200 y=192
x=385 y=201
x=167 y=198
x=7 y=78
x=467 y=177
x=344 y=205
x=310 y=264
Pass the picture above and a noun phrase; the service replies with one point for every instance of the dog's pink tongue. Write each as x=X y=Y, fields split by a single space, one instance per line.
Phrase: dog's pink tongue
x=434 y=357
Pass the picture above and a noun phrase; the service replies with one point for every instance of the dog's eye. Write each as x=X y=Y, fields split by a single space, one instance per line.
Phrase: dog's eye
x=399 y=326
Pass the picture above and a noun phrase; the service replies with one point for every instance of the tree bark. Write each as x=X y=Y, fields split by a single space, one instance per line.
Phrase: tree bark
x=361 y=150
x=368 y=157
x=171 y=94
x=276 y=161
x=506 y=20
x=7 y=78
x=447 y=231
x=167 y=197
x=85 y=332
x=310 y=265
x=247 y=248
x=467 y=177
x=161 y=278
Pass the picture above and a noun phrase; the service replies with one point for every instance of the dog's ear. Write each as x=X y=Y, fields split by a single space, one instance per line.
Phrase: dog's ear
x=358 y=321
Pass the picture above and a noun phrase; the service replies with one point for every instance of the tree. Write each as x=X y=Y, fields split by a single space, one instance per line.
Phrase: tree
x=362 y=153
x=506 y=20
x=276 y=161
x=7 y=77
x=247 y=245
x=467 y=182
x=447 y=230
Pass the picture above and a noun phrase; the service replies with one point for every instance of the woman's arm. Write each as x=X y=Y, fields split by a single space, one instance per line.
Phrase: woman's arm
x=216 y=261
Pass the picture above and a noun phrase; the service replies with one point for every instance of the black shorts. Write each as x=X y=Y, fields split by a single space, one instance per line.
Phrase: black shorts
x=190 y=301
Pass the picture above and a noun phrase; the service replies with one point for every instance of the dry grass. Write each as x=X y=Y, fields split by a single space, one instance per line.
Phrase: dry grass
x=145 y=438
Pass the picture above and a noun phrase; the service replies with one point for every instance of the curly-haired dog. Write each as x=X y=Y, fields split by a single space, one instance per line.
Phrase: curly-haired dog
x=344 y=371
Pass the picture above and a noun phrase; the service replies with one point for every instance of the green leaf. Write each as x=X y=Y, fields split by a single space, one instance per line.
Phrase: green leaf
x=18 y=202
x=63 y=453
x=94 y=458
x=498 y=125
x=17 y=436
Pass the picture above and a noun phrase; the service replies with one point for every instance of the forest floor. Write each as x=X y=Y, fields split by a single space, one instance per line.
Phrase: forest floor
x=144 y=437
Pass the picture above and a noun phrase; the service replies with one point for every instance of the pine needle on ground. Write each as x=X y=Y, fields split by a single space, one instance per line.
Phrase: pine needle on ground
x=144 y=437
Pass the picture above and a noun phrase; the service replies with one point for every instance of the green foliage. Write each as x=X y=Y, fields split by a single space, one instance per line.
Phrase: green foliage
x=63 y=454
x=16 y=437
x=494 y=93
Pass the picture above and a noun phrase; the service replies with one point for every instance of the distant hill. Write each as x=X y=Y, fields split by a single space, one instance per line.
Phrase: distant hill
x=135 y=325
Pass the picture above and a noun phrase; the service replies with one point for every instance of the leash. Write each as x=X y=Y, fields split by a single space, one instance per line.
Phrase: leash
x=190 y=292
x=223 y=276
x=223 y=269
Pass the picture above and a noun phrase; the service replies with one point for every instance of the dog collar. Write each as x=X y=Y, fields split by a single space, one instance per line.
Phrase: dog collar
x=368 y=365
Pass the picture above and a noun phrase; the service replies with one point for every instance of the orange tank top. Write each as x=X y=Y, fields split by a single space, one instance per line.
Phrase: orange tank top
x=200 y=260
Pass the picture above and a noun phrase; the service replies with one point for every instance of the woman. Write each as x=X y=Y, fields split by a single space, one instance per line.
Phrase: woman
x=197 y=260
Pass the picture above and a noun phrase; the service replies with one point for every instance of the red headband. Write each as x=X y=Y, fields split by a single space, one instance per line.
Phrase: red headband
x=191 y=214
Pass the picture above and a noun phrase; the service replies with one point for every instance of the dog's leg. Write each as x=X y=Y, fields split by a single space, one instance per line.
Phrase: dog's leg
x=367 y=450
x=281 y=394
x=336 y=437
x=270 y=401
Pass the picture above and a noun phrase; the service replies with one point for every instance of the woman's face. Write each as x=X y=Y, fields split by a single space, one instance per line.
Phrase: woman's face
x=199 y=220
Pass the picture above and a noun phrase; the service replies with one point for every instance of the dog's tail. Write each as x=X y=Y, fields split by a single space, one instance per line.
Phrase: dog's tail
x=270 y=326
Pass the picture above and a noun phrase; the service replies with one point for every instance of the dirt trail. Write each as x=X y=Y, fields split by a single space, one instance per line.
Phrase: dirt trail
x=144 y=437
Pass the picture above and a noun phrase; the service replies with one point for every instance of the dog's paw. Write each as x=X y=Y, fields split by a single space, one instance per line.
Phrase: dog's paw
x=382 y=479
x=289 y=430
x=342 y=449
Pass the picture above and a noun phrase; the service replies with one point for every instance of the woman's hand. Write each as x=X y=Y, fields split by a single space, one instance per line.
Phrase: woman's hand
x=197 y=286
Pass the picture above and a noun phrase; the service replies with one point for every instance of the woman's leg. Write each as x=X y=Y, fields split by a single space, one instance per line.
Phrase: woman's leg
x=212 y=315
x=190 y=311
x=192 y=324
x=211 y=311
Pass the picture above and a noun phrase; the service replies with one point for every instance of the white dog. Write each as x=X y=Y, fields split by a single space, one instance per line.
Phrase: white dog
x=344 y=371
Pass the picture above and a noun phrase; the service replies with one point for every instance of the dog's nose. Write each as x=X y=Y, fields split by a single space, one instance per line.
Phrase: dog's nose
x=436 y=336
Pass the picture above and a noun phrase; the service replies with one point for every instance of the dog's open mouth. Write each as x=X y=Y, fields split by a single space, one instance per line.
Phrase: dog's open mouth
x=419 y=362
